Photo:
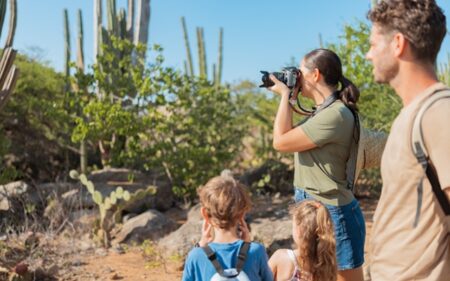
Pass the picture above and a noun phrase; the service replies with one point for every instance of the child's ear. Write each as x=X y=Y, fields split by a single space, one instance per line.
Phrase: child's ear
x=204 y=214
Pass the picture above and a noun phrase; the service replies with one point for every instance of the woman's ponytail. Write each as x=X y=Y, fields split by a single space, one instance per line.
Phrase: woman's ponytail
x=349 y=94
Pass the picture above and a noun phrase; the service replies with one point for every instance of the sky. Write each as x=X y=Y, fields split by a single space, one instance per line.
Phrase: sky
x=258 y=34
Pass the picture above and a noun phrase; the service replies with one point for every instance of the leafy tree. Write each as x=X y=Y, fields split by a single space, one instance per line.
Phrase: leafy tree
x=378 y=103
x=153 y=117
x=36 y=126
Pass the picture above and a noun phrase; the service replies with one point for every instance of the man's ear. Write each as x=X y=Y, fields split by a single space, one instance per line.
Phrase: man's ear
x=400 y=44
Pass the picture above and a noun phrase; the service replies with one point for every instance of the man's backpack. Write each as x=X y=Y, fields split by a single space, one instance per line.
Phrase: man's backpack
x=231 y=274
x=422 y=156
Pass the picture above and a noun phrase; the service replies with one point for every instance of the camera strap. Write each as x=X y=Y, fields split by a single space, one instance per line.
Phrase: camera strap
x=327 y=102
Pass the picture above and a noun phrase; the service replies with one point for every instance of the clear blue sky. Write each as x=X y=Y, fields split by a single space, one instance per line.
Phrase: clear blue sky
x=258 y=35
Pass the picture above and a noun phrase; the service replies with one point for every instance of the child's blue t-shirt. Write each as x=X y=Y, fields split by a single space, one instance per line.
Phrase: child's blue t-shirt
x=199 y=268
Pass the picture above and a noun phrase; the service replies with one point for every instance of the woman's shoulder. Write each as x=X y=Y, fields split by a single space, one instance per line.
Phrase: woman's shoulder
x=340 y=111
x=335 y=113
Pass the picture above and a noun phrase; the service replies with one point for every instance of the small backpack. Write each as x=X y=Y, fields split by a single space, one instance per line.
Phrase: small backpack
x=422 y=156
x=230 y=274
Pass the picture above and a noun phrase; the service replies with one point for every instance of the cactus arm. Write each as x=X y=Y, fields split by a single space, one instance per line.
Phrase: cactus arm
x=130 y=20
x=190 y=66
x=218 y=79
x=12 y=23
x=2 y=14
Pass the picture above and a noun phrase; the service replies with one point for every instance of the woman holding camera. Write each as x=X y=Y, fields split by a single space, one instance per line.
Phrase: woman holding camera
x=322 y=144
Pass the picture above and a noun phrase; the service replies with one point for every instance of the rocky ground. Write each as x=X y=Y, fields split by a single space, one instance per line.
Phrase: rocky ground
x=68 y=256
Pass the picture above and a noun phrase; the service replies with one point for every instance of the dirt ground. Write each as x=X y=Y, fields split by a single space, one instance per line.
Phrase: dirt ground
x=132 y=265
x=74 y=257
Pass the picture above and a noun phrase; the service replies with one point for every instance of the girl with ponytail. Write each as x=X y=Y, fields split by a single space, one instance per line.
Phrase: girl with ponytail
x=314 y=259
x=322 y=145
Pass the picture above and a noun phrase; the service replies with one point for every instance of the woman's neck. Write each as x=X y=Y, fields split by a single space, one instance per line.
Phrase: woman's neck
x=321 y=93
x=225 y=235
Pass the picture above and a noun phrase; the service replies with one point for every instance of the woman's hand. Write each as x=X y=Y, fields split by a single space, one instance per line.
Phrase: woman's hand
x=279 y=87
x=207 y=234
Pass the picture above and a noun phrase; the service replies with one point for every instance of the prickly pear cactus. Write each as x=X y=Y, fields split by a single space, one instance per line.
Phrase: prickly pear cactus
x=111 y=206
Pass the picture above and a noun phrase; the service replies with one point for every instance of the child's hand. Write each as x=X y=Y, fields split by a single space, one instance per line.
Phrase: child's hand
x=245 y=232
x=207 y=234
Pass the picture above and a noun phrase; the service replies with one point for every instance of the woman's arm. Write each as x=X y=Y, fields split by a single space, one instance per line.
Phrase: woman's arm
x=286 y=138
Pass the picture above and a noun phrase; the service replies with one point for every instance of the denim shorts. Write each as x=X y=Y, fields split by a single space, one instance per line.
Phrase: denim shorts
x=349 y=229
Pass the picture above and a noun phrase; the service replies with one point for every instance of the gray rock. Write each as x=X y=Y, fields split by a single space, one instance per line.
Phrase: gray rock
x=194 y=213
x=181 y=241
x=10 y=191
x=150 y=225
x=273 y=232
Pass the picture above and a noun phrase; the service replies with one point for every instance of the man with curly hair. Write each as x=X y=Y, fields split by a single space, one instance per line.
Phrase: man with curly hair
x=411 y=233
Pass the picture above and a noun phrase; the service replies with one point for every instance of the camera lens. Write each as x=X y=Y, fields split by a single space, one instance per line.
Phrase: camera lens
x=266 y=80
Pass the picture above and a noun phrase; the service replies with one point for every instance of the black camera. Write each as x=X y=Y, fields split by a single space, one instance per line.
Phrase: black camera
x=287 y=76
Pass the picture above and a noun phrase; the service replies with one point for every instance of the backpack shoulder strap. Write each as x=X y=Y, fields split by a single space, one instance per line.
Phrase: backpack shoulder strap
x=213 y=258
x=242 y=256
x=421 y=153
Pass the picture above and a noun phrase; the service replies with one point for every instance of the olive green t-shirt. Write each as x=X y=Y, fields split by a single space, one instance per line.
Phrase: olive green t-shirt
x=322 y=171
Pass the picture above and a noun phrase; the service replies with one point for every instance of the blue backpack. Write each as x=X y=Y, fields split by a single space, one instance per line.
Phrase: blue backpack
x=230 y=274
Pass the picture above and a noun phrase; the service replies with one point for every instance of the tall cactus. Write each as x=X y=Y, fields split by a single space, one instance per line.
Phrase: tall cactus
x=80 y=66
x=12 y=23
x=130 y=20
x=190 y=66
x=218 y=74
x=123 y=25
x=8 y=72
x=67 y=51
x=111 y=16
x=202 y=62
x=2 y=14
x=97 y=26
x=201 y=53
x=142 y=22
x=80 y=48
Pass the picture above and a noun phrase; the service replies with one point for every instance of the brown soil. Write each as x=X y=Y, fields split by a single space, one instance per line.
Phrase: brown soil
x=76 y=263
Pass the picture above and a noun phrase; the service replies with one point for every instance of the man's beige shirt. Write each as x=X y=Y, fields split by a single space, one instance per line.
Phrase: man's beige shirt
x=401 y=251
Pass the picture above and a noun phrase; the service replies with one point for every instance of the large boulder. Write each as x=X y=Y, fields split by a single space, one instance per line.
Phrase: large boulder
x=181 y=241
x=150 y=225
